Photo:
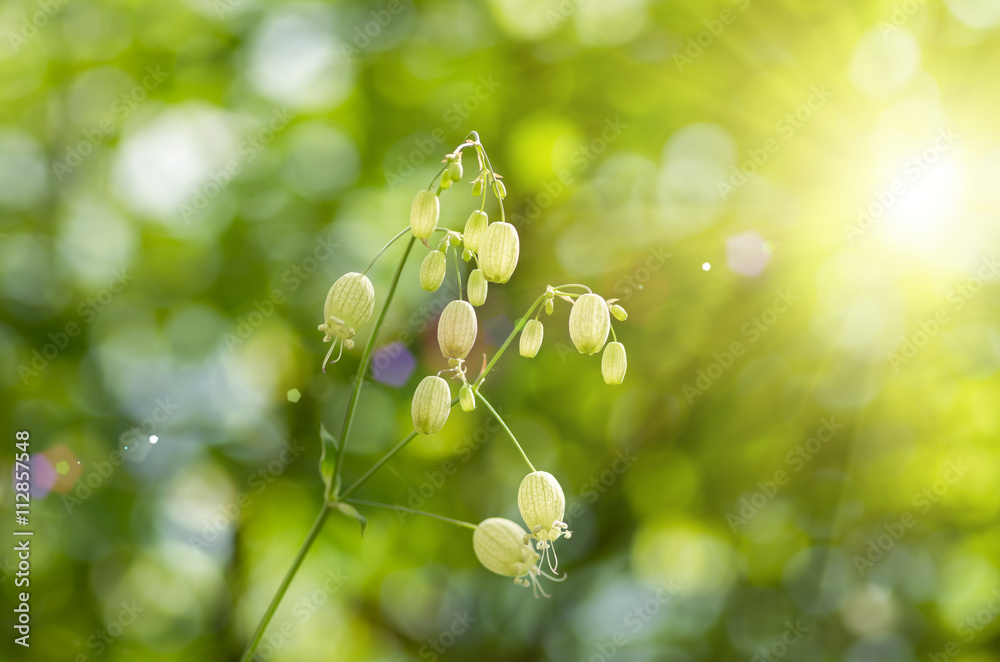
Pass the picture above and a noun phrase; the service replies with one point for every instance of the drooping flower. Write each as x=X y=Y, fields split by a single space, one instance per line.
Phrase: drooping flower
x=543 y=506
x=348 y=306
x=431 y=405
x=424 y=214
x=457 y=329
x=498 y=252
x=467 y=398
x=475 y=227
x=477 y=288
x=589 y=323
x=432 y=270
x=501 y=547
x=614 y=363
x=531 y=339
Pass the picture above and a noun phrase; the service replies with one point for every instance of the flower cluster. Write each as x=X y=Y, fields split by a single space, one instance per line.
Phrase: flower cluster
x=505 y=548
x=492 y=249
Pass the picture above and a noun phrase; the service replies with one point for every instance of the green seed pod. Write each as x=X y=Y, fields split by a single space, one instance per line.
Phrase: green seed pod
x=542 y=504
x=467 y=398
x=531 y=339
x=475 y=228
x=499 y=545
x=432 y=270
x=550 y=306
x=477 y=287
x=348 y=306
x=500 y=189
x=614 y=363
x=498 y=252
x=457 y=329
x=424 y=214
x=455 y=170
x=431 y=405
x=619 y=312
x=589 y=323
x=477 y=188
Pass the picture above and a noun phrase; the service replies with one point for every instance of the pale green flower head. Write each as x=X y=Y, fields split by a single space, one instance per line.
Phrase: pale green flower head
x=501 y=547
x=543 y=507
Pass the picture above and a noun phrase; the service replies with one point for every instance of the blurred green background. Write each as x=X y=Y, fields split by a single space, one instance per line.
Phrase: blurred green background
x=796 y=202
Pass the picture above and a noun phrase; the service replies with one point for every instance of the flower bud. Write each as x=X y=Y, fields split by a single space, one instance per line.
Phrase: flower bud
x=348 y=306
x=467 y=398
x=477 y=188
x=477 y=287
x=500 y=189
x=445 y=180
x=500 y=547
x=475 y=227
x=457 y=329
x=431 y=405
x=531 y=339
x=614 y=363
x=455 y=170
x=619 y=312
x=589 y=323
x=550 y=306
x=424 y=214
x=498 y=252
x=542 y=505
x=432 y=270
x=466 y=255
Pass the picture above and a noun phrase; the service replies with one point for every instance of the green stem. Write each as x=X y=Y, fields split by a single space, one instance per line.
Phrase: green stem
x=458 y=272
x=506 y=343
x=363 y=370
x=614 y=338
x=286 y=581
x=385 y=248
x=504 y=426
x=376 y=504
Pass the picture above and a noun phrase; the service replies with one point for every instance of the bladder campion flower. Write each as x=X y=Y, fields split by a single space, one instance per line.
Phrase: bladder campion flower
x=589 y=323
x=614 y=363
x=498 y=252
x=500 y=546
x=467 y=398
x=477 y=288
x=474 y=229
x=543 y=505
x=531 y=339
x=457 y=329
x=431 y=404
x=618 y=312
x=432 y=270
x=348 y=306
x=424 y=214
